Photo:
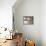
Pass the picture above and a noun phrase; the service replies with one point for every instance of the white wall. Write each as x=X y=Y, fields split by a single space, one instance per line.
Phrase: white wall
x=6 y=18
x=6 y=13
x=29 y=8
x=43 y=22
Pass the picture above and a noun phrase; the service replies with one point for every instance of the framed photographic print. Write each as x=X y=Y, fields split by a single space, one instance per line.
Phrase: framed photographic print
x=28 y=20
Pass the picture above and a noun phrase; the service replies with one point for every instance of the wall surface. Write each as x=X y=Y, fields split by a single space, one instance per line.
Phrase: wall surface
x=6 y=16
x=43 y=22
x=29 y=8
x=6 y=13
x=32 y=8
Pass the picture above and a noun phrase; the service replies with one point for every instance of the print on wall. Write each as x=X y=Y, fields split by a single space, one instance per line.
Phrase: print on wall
x=28 y=20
